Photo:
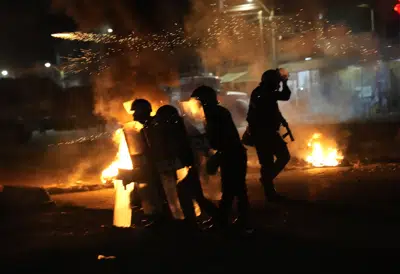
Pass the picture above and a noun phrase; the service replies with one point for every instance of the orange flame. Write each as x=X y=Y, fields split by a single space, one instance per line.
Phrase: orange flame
x=122 y=160
x=323 y=155
x=193 y=108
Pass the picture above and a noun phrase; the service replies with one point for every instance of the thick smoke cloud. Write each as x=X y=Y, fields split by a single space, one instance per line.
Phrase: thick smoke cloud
x=128 y=75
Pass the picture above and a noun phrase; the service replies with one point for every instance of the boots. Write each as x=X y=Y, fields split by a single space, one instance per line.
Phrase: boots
x=270 y=193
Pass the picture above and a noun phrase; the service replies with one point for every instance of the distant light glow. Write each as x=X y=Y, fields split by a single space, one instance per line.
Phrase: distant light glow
x=397 y=8
x=4 y=73
x=308 y=58
x=110 y=30
x=47 y=65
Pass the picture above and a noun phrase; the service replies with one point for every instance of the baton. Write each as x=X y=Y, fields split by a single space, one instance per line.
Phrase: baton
x=288 y=133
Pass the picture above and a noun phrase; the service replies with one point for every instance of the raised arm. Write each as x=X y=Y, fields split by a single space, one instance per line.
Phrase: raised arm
x=283 y=95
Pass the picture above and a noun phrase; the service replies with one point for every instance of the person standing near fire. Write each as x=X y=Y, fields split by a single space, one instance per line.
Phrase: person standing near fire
x=142 y=113
x=177 y=142
x=264 y=121
x=231 y=155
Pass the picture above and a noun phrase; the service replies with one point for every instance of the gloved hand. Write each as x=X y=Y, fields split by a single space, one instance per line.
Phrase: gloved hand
x=284 y=74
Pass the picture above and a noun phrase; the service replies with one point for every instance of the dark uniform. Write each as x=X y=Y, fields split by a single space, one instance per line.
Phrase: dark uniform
x=265 y=119
x=142 y=110
x=223 y=136
x=189 y=188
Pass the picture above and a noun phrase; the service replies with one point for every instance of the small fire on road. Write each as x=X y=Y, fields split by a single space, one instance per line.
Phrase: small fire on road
x=323 y=153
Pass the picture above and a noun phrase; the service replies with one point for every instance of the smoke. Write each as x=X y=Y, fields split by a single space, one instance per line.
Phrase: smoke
x=124 y=73
x=227 y=41
x=337 y=85
x=93 y=14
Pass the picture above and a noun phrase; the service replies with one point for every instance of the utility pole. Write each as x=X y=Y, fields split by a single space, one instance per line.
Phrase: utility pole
x=261 y=26
x=262 y=10
x=372 y=15
x=221 y=5
x=273 y=45
x=372 y=20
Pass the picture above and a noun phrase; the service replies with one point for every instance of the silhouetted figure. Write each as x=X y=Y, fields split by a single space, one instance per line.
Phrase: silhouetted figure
x=265 y=120
x=142 y=113
x=189 y=189
x=231 y=155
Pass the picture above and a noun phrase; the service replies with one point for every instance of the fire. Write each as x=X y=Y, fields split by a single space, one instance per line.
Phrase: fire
x=122 y=160
x=323 y=154
x=194 y=108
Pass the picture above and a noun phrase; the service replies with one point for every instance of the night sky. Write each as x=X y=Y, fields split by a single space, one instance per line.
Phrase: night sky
x=26 y=25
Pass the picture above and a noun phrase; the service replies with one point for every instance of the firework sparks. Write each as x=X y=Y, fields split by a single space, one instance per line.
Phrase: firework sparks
x=86 y=37
x=226 y=34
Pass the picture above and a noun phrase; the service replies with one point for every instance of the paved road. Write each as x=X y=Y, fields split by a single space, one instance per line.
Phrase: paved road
x=361 y=185
x=326 y=202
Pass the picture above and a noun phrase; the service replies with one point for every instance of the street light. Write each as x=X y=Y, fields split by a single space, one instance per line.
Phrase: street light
x=47 y=65
x=110 y=30
x=366 y=6
x=4 y=73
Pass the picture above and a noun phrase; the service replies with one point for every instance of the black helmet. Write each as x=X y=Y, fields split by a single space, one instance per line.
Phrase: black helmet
x=167 y=114
x=206 y=95
x=271 y=77
x=141 y=105
x=142 y=110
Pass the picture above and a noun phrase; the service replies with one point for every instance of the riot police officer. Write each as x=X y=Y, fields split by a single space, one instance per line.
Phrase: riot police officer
x=142 y=113
x=265 y=119
x=223 y=136
x=189 y=189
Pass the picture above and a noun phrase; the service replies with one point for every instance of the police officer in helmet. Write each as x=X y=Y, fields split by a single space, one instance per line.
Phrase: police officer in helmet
x=223 y=136
x=265 y=119
x=189 y=188
x=142 y=113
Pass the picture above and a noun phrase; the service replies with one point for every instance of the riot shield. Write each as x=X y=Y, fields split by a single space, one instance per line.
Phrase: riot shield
x=193 y=113
x=142 y=171
x=195 y=123
x=167 y=144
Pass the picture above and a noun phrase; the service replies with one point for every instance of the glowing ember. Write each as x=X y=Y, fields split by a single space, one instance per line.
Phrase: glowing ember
x=323 y=154
x=122 y=161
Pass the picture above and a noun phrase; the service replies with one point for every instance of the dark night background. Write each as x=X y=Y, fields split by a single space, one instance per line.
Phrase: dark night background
x=26 y=25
